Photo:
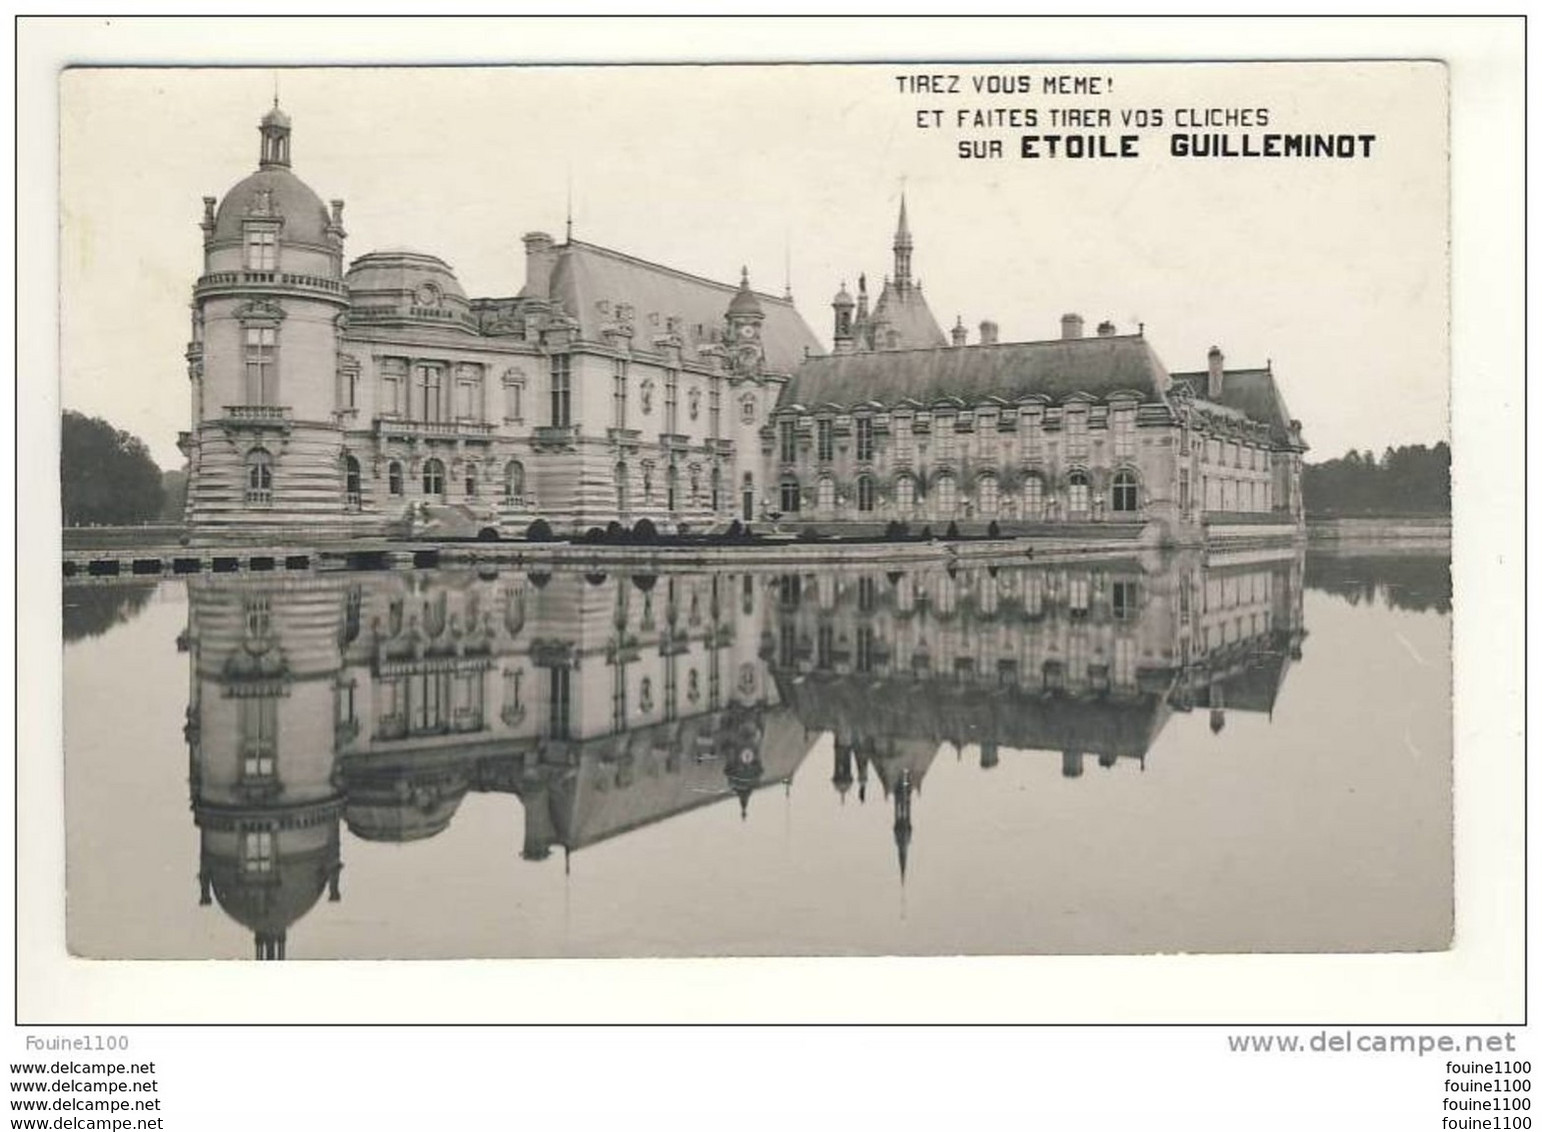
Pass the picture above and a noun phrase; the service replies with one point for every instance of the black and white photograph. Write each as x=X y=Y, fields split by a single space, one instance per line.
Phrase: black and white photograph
x=935 y=512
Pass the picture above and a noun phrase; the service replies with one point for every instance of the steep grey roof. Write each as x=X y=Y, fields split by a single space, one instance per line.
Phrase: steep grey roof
x=1252 y=392
x=1011 y=370
x=908 y=316
x=586 y=275
x=305 y=217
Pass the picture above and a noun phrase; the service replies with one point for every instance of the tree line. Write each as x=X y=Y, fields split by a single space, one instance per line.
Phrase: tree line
x=1409 y=480
x=107 y=475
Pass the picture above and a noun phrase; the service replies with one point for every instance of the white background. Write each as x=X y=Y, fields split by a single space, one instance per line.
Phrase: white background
x=1098 y=1077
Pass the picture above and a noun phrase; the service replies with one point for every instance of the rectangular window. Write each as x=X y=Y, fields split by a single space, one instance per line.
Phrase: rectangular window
x=1076 y=434
x=789 y=431
x=825 y=430
x=866 y=649
x=947 y=442
x=428 y=384
x=671 y=401
x=258 y=721
x=1123 y=425
x=715 y=409
x=468 y=393
x=864 y=438
x=1032 y=426
x=904 y=442
x=257 y=851
x=261 y=250
x=561 y=391
x=393 y=379
x=985 y=438
x=261 y=365
x=559 y=703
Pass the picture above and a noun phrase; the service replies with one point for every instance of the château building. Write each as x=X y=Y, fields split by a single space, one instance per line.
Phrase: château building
x=332 y=400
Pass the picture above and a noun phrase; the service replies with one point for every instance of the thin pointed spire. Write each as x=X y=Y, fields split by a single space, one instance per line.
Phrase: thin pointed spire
x=569 y=227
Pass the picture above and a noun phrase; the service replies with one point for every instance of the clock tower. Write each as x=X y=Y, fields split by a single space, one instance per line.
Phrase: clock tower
x=745 y=318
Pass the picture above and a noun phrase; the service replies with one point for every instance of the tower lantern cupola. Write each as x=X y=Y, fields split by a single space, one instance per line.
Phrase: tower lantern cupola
x=843 y=305
x=275 y=138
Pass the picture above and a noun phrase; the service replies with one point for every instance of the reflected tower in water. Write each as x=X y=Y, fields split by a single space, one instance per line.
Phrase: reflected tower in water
x=379 y=701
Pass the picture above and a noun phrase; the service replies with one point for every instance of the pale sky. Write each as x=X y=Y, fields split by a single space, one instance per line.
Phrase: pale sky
x=1333 y=269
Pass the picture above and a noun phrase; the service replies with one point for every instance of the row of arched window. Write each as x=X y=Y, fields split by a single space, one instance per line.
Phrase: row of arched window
x=259 y=479
x=1124 y=494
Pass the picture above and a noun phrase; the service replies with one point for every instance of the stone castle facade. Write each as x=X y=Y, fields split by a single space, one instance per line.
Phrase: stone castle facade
x=340 y=401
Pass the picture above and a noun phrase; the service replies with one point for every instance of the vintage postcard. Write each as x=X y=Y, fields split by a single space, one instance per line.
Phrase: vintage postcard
x=802 y=510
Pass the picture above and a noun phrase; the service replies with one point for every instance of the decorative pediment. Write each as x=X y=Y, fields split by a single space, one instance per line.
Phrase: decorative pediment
x=258 y=310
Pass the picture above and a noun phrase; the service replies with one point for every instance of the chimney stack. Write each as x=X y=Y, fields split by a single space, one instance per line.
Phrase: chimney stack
x=1070 y=326
x=1107 y=329
x=959 y=332
x=988 y=332
x=1216 y=375
x=540 y=261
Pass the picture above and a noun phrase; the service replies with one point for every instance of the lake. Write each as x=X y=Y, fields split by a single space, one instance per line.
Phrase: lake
x=1242 y=751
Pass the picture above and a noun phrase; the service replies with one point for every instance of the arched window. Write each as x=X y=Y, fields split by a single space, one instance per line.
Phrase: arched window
x=947 y=496
x=259 y=477
x=1078 y=493
x=826 y=494
x=791 y=497
x=1033 y=499
x=433 y=477
x=905 y=494
x=988 y=495
x=866 y=494
x=471 y=481
x=353 y=491
x=1126 y=491
x=514 y=482
x=749 y=496
x=394 y=477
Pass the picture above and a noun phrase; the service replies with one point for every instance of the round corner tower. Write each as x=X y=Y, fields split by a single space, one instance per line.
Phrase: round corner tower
x=265 y=450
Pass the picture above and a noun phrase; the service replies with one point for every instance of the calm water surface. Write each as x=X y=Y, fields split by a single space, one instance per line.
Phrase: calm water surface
x=1134 y=755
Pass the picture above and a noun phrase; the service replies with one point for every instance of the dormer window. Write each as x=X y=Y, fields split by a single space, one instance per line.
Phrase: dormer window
x=261 y=249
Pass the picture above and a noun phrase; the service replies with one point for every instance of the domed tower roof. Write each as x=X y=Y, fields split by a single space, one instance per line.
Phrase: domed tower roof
x=399 y=283
x=843 y=298
x=402 y=805
x=273 y=191
x=268 y=902
x=744 y=303
x=277 y=192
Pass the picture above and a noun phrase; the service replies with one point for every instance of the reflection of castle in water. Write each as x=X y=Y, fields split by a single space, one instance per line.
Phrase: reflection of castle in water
x=608 y=703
